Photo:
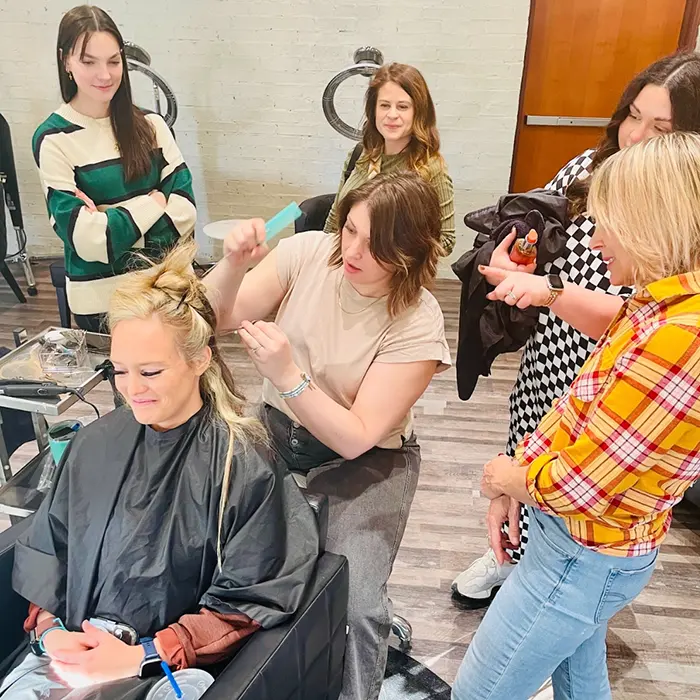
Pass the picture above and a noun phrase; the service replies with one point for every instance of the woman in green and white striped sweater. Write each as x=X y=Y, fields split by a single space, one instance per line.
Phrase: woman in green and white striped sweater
x=114 y=179
x=400 y=133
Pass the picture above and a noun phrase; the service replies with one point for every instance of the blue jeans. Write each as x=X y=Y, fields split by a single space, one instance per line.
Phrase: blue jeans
x=550 y=619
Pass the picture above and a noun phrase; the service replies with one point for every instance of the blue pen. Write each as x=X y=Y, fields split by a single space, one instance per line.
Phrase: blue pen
x=171 y=678
x=281 y=220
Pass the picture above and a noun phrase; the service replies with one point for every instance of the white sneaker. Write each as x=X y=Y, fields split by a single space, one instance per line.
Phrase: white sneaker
x=477 y=586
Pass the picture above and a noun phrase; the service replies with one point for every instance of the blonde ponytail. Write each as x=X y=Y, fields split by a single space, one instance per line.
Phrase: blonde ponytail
x=228 y=405
x=171 y=291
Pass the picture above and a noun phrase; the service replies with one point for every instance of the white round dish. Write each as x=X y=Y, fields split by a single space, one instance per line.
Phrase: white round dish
x=220 y=229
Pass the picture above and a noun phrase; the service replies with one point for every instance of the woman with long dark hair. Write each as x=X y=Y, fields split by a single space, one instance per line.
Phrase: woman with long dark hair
x=114 y=179
x=400 y=133
x=578 y=299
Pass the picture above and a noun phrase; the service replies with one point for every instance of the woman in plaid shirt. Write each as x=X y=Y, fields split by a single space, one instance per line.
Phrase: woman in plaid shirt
x=661 y=98
x=615 y=454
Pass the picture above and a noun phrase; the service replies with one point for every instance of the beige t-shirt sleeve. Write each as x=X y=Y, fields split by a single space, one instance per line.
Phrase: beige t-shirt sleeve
x=298 y=251
x=417 y=336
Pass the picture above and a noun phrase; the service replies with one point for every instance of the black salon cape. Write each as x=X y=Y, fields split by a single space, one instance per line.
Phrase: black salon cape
x=167 y=563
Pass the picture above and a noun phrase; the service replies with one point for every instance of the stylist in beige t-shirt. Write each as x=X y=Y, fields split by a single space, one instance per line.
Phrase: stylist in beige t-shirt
x=356 y=340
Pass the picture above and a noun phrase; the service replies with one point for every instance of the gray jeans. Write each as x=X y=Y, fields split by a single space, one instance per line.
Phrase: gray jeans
x=370 y=498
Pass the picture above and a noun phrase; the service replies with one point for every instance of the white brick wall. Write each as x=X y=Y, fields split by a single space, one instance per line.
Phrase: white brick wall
x=249 y=76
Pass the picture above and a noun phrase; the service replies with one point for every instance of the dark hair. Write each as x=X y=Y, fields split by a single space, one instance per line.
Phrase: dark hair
x=425 y=140
x=680 y=75
x=134 y=135
x=404 y=214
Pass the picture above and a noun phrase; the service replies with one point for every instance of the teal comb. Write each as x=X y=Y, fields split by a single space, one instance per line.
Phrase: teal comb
x=281 y=220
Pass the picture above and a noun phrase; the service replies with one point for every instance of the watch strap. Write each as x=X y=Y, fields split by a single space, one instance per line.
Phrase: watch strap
x=151 y=662
x=553 y=296
x=554 y=292
x=149 y=649
x=56 y=624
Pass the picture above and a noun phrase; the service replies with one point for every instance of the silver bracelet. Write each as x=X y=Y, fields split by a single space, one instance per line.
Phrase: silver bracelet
x=293 y=393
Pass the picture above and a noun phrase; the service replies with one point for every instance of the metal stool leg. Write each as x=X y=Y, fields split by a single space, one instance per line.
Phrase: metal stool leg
x=401 y=627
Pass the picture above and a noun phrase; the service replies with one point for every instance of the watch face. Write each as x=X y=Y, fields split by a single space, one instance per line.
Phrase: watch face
x=125 y=634
x=555 y=283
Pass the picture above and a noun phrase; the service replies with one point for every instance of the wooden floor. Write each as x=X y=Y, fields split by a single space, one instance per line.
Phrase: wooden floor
x=653 y=646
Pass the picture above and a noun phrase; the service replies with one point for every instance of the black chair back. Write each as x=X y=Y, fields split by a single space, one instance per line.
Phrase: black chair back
x=7 y=166
x=3 y=225
x=314 y=212
x=14 y=607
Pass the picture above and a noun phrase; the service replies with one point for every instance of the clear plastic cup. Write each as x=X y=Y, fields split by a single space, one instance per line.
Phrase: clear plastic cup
x=193 y=683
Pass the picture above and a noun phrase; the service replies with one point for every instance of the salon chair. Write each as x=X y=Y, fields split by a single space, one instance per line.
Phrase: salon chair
x=4 y=269
x=58 y=280
x=9 y=197
x=315 y=210
x=300 y=659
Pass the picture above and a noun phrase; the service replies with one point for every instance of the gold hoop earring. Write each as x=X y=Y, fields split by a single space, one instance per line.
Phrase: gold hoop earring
x=70 y=76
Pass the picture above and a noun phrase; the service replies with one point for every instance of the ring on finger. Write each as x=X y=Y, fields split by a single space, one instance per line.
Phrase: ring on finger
x=511 y=295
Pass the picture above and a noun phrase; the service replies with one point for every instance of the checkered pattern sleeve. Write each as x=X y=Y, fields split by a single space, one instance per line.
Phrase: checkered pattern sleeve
x=576 y=168
x=640 y=422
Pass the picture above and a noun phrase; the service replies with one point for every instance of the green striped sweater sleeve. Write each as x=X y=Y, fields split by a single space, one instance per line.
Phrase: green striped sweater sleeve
x=94 y=236
x=175 y=180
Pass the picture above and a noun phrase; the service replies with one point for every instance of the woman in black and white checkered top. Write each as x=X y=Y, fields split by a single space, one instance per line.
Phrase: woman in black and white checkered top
x=662 y=98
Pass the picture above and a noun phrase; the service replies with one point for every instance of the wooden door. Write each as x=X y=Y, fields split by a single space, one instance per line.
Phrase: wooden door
x=580 y=55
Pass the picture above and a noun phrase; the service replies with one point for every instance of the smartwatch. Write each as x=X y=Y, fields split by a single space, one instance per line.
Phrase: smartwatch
x=120 y=630
x=555 y=286
x=150 y=666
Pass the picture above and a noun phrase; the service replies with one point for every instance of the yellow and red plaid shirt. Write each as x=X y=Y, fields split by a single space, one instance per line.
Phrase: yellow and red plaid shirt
x=617 y=452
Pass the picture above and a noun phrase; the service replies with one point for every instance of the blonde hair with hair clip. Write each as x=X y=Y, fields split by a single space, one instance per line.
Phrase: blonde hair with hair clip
x=170 y=291
x=648 y=197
